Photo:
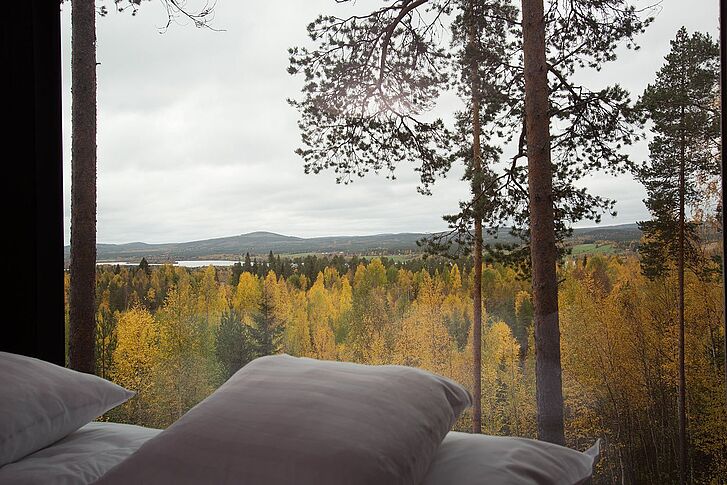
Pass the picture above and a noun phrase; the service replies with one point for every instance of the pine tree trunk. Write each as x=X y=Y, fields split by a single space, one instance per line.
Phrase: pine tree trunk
x=723 y=115
x=83 y=186
x=548 y=381
x=477 y=202
x=680 y=269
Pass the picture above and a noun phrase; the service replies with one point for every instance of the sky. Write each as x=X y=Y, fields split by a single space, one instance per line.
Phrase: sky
x=196 y=139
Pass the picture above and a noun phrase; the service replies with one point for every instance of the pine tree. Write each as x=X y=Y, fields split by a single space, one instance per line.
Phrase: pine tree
x=236 y=272
x=267 y=331
x=370 y=78
x=234 y=343
x=83 y=186
x=481 y=43
x=272 y=266
x=281 y=270
x=401 y=72
x=566 y=132
x=83 y=167
x=685 y=146
x=681 y=106
x=144 y=266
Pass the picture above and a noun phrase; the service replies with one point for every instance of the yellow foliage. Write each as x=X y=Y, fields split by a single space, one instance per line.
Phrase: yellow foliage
x=618 y=347
x=296 y=339
x=247 y=296
x=134 y=360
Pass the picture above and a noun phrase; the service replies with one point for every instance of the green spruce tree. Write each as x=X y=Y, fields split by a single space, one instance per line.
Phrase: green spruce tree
x=236 y=272
x=144 y=266
x=267 y=332
x=272 y=263
x=234 y=344
x=682 y=106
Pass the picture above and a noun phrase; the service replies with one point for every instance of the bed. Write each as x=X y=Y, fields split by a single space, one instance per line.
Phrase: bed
x=279 y=420
x=80 y=458
x=87 y=454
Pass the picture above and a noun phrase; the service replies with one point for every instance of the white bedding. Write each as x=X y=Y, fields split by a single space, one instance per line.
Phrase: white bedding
x=462 y=459
x=80 y=458
x=478 y=459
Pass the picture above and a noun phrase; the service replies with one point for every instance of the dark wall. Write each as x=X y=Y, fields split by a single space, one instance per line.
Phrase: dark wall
x=32 y=321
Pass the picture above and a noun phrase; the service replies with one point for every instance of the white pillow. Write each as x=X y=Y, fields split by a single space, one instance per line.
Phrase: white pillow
x=41 y=403
x=475 y=459
x=284 y=420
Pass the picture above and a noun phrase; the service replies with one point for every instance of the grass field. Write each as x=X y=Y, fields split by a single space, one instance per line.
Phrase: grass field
x=593 y=248
x=577 y=250
x=399 y=258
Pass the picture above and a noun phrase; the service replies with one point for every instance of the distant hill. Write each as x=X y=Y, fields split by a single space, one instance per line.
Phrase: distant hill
x=620 y=233
x=261 y=243
x=257 y=243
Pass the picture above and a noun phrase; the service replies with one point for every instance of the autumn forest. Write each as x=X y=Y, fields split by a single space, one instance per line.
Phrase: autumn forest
x=175 y=334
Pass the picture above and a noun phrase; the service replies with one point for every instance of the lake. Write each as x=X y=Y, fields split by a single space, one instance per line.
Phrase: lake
x=187 y=264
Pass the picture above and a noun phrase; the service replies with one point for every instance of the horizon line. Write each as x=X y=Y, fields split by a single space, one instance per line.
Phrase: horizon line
x=597 y=226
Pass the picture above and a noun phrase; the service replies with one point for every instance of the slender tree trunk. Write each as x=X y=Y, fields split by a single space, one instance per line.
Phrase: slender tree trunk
x=680 y=269
x=83 y=186
x=548 y=381
x=477 y=330
x=723 y=117
x=477 y=196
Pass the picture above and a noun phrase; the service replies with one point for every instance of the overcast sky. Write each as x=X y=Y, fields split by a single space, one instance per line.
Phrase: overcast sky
x=196 y=140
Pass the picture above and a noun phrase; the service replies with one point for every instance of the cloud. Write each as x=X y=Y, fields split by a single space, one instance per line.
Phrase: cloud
x=196 y=140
